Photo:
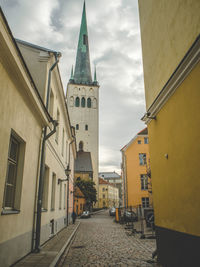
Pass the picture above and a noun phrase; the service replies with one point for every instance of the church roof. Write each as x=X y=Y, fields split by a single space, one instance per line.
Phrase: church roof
x=82 y=73
x=83 y=162
x=109 y=175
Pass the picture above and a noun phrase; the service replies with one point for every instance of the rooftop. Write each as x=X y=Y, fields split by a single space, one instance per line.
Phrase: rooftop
x=83 y=162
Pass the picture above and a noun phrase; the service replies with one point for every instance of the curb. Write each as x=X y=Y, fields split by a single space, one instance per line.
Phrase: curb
x=54 y=262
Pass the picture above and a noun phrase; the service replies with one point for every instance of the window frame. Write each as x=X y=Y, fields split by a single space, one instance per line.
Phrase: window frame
x=144 y=182
x=77 y=102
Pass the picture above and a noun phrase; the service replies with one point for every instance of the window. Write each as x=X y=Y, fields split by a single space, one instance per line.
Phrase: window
x=77 y=102
x=146 y=140
x=53 y=191
x=13 y=184
x=139 y=142
x=144 y=181
x=81 y=146
x=89 y=103
x=45 y=189
x=86 y=127
x=77 y=126
x=57 y=128
x=51 y=103
x=60 y=197
x=95 y=103
x=64 y=206
x=71 y=101
x=103 y=196
x=84 y=39
x=63 y=137
x=66 y=153
x=142 y=158
x=81 y=206
x=103 y=189
x=83 y=102
x=145 y=202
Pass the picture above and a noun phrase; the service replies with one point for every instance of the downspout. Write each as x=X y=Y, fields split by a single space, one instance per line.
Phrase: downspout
x=42 y=163
x=68 y=183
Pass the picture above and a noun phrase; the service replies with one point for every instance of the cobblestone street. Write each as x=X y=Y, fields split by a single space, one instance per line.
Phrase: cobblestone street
x=101 y=242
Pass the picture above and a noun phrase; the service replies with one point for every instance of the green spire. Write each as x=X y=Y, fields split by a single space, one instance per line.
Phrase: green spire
x=72 y=74
x=82 y=72
x=95 y=74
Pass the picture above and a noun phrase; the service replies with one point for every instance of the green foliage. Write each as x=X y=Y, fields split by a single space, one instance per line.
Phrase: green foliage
x=87 y=187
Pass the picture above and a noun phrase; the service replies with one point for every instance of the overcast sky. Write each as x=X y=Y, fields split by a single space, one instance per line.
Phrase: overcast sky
x=115 y=46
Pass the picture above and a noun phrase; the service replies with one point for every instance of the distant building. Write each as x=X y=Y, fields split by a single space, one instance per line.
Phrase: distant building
x=108 y=194
x=79 y=201
x=113 y=178
x=83 y=165
x=135 y=160
x=171 y=59
x=83 y=100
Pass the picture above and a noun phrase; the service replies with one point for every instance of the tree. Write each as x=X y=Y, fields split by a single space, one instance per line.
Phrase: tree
x=87 y=187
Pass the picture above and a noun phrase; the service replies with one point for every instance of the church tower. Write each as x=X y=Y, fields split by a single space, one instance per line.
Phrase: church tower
x=83 y=100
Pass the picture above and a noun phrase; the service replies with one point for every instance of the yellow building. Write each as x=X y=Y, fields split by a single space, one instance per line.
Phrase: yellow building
x=79 y=201
x=135 y=160
x=108 y=194
x=171 y=53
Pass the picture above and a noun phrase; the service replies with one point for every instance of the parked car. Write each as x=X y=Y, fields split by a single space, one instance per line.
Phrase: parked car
x=130 y=216
x=85 y=214
x=112 y=211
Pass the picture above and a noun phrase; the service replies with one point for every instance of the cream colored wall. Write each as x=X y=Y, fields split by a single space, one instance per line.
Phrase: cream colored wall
x=18 y=114
x=168 y=30
x=134 y=169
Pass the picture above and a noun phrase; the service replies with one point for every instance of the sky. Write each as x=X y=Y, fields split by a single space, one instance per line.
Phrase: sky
x=115 y=48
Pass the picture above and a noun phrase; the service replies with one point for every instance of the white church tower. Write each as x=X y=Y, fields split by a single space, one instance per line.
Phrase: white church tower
x=83 y=100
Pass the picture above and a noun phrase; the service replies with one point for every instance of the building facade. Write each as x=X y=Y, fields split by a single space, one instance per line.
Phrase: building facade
x=135 y=161
x=108 y=194
x=37 y=147
x=83 y=100
x=171 y=54
x=115 y=179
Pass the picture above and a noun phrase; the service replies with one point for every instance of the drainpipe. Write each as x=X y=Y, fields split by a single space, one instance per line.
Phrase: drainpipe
x=42 y=162
x=68 y=183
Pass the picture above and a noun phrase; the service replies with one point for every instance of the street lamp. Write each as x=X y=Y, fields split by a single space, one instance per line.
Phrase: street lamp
x=67 y=173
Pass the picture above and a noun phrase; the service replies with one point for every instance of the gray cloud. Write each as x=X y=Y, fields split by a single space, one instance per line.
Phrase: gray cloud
x=115 y=47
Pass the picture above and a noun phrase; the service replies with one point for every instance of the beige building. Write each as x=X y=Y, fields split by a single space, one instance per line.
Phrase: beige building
x=28 y=74
x=108 y=194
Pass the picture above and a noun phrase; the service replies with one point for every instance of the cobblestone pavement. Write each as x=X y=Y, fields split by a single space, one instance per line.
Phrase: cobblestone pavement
x=101 y=242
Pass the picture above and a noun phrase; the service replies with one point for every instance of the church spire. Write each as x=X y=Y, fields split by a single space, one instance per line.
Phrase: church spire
x=95 y=76
x=82 y=74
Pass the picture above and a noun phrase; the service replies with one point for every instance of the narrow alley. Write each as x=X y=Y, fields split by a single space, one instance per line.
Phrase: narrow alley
x=100 y=241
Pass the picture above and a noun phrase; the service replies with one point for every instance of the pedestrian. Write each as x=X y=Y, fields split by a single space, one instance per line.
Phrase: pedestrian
x=73 y=217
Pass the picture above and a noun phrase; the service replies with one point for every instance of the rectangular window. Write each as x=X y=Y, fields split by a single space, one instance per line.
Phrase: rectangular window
x=144 y=181
x=57 y=128
x=145 y=202
x=45 y=189
x=86 y=127
x=63 y=137
x=13 y=184
x=66 y=153
x=81 y=206
x=139 y=142
x=53 y=191
x=84 y=39
x=142 y=158
x=103 y=196
x=60 y=197
x=64 y=196
x=77 y=126
x=146 y=140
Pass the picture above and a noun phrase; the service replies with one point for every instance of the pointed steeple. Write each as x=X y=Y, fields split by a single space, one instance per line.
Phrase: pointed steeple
x=95 y=76
x=82 y=74
x=72 y=73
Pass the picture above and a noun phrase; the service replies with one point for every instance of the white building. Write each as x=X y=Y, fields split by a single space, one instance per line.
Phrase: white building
x=83 y=100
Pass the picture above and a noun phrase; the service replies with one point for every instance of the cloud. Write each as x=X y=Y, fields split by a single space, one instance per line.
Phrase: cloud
x=115 y=47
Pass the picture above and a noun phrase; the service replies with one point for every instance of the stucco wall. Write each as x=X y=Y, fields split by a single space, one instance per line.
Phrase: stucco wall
x=176 y=180
x=168 y=30
x=134 y=169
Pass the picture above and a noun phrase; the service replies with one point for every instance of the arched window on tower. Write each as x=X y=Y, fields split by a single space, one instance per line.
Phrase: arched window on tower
x=77 y=102
x=83 y=102
x=86 y=127
x=89 y=102
x=71 y=101
x=81 y=146
x=95 y=103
